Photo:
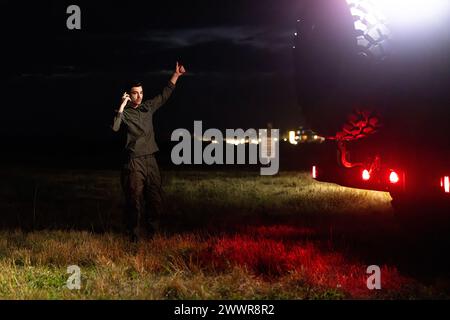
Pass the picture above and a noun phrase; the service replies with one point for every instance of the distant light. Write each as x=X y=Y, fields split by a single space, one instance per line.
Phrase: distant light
x=446 y=184
x=234 y=141
x=314 y=172
x=315 y=137
x=293 y=47
x=393 y=177
x=295 y=33
x=292 y=137
x=365 y=175
x=285 y=139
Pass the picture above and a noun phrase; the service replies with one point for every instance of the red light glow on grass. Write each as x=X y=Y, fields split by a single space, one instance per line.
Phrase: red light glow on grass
x=278 y=252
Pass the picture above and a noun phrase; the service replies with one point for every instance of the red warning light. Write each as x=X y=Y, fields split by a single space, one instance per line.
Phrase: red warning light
x=393 y=177
x=446 y=184
x=365 y=175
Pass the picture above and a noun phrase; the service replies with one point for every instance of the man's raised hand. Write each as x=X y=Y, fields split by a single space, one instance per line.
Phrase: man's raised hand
x=179 y=69
x=125 y=98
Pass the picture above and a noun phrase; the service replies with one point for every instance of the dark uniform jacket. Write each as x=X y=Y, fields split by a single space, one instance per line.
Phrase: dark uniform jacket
x=139 y=124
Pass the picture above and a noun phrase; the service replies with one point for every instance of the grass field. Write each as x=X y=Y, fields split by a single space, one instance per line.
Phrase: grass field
x=226 y=235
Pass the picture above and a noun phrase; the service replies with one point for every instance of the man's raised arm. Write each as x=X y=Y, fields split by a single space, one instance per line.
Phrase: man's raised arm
x=155 y=103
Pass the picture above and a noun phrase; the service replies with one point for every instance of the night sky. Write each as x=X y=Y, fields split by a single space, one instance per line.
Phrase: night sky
x=238 y=55
x=62 y=86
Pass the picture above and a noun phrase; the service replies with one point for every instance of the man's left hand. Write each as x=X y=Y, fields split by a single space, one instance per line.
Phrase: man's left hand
x=179 y=69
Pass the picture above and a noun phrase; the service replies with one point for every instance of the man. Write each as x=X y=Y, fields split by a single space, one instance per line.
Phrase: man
x=140 y=178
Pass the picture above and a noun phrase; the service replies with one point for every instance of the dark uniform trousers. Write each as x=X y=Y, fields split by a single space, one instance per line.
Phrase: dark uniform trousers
x=142 y=186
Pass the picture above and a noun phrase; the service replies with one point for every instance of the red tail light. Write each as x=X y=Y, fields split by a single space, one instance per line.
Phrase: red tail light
x=314 y=172
x=393 y=177
x=365 y=175
x=446 y=184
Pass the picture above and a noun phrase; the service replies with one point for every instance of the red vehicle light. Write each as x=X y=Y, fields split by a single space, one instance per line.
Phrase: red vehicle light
x=365 y=175
x=393 y=177
x=314 y=172
x=446 y=184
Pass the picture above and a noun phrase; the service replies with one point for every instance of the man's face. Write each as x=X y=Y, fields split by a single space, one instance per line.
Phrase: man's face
x=136 y=95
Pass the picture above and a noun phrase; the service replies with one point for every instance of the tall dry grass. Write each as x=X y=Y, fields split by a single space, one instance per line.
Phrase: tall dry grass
x=225 y=236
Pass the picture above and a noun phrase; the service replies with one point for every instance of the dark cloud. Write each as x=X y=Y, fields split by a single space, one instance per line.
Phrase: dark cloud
x=238 y=56
x=258 y=37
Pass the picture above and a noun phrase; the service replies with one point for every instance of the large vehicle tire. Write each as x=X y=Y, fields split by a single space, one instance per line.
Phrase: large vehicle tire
x=371 y=30
x=360 y=124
